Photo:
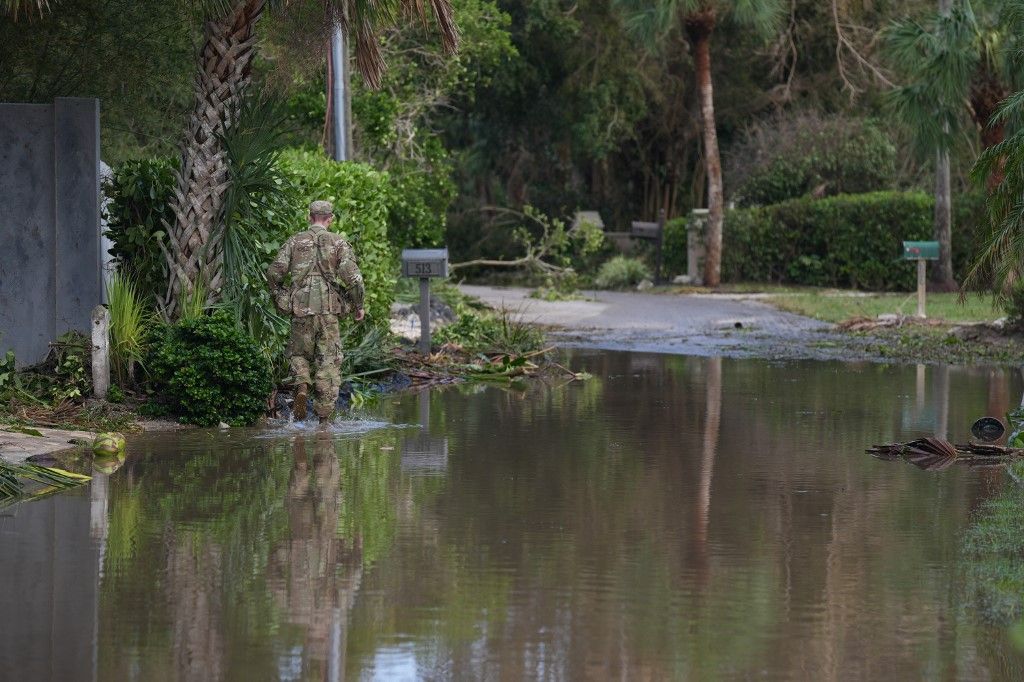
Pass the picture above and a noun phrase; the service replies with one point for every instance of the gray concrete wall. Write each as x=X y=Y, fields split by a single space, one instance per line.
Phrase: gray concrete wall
x=49 y=222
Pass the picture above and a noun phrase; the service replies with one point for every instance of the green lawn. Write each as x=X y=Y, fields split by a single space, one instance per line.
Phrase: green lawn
x=836 y=306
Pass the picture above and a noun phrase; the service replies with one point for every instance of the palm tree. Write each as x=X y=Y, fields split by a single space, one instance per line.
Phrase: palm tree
x=194 y=253
x=1002 y=255
x=959 y=65
x=193 y=248
x=653 y=21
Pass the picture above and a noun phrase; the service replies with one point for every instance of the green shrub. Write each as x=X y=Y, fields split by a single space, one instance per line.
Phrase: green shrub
x=844 y=241
x=674 y=246
x=206 y=370
x=138 y=206
x=792 y=156
x=421 y=193
x=622 y=272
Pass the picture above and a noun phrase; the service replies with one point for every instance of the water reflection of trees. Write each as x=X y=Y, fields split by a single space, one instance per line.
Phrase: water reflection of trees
x=614 y=528
x=238 y=559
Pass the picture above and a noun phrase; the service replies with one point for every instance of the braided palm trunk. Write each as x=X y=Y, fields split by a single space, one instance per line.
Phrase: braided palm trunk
x=194 y=248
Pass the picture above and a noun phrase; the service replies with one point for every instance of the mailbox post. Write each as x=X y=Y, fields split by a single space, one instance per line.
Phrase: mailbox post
x=425 y=264
x=655 y=232
x=921 y=252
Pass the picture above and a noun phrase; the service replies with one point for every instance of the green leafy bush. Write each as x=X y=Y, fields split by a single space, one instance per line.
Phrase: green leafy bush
x=674 y=246
x=421 y=193
x=621 y=272
x=844 y=241
x=138 y=196
x=792 y=156
x=206 y=370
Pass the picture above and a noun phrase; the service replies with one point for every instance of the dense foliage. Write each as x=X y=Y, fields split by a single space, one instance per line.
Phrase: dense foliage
x=135 y=214
x=842 y=241
x=362 y=198
x=788 y=157
x=206 y=370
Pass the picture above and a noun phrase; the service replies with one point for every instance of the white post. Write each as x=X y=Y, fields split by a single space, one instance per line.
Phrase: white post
x=920 y=287
x=100 y=351
x=424 y=316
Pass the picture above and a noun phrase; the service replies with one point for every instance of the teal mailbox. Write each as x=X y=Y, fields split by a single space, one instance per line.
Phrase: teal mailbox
x=920 y=251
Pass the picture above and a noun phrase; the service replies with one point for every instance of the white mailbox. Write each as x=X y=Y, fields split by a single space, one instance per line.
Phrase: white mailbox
x=425 y=263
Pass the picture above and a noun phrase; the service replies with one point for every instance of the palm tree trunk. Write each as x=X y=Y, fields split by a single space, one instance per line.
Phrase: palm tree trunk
x=699 y=27
x=942 y=269
x=193 y=250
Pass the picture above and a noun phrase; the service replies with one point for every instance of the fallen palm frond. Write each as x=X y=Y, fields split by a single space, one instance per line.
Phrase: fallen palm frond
x=935 y=454
x=13 y=477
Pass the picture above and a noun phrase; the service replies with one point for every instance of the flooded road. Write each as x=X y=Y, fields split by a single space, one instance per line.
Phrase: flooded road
x=673 y=518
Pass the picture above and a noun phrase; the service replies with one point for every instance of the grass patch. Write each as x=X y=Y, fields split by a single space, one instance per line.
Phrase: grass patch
x=837 y=306
x=936 y=344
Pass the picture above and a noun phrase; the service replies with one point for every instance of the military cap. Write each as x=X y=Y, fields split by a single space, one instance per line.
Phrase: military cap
x=321 y=208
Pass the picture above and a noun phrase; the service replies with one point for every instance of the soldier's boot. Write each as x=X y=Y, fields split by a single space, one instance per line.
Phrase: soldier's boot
x=301 y=398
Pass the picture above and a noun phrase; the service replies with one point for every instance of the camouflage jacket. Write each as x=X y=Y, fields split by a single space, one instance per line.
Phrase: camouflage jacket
x=315 y=273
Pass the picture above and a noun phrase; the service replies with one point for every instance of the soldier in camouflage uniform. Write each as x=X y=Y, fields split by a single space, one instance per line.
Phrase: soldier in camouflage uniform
x=315 y=280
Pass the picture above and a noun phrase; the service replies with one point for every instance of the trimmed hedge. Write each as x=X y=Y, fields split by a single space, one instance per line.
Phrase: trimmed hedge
x=849 y=241
x=844 y=241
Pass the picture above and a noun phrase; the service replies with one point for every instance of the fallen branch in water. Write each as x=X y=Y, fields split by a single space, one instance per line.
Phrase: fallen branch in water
x=935 y=454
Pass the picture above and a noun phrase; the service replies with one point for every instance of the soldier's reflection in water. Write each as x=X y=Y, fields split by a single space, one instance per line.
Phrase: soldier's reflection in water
x=314 y=573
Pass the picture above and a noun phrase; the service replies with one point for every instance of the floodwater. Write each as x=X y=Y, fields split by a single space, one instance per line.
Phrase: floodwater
x=673 y=518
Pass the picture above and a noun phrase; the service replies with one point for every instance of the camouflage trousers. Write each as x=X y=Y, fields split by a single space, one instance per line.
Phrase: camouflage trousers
x=315 y=353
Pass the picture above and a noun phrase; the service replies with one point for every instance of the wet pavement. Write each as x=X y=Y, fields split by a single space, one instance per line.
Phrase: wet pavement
x=707 y=325
x=673 y=518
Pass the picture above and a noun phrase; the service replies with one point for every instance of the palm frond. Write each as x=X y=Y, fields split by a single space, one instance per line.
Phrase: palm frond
x=364 y=20
x=763 y=16
x=12 y=476
x=1003 y=251
x=15 y=8
x=255 y=195
x=939 y=57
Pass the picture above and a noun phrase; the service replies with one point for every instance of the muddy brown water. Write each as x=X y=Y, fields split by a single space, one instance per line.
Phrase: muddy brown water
x=673 y=518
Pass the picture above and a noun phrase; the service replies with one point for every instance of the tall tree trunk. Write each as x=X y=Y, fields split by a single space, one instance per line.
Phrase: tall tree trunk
x=699 y=27
x=942 y=269
x=193 y=251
